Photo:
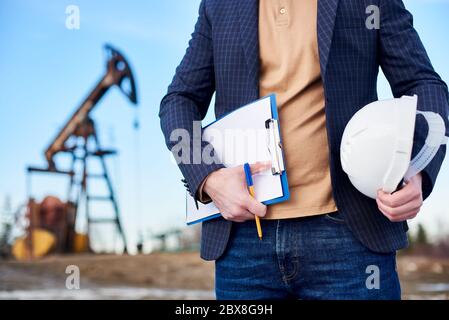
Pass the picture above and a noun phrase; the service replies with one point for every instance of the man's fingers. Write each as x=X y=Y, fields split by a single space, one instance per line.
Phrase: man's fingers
x=255 y=207
x=245 y=207
x=404 y=217
x=248 y=216
x=407 y=211
x=399 y=198
x=398 y=211
x=260 y=167
x=242 y=218
x=237 y=214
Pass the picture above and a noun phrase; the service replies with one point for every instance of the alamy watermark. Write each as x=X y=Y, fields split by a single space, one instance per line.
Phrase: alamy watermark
x=72 y=17
x=235 y=145
x=372 y=22
x=72 y=281
x=373 y=280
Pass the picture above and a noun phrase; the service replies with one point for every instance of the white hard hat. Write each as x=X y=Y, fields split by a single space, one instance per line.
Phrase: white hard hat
x=377 y=144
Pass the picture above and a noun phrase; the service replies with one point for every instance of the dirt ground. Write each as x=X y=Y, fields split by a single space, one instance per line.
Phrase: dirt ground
x=170 y=276
x=163 y=270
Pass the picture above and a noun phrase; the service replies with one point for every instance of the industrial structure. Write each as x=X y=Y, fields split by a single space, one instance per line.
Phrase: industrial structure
x=50 y=223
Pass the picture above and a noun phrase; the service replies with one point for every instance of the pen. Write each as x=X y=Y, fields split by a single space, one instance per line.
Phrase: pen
x=249 y=182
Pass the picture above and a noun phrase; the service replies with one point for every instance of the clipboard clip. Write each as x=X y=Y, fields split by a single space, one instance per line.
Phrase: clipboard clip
x=274 y=146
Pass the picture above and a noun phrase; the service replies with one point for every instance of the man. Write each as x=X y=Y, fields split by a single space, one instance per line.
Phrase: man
x=321 y=58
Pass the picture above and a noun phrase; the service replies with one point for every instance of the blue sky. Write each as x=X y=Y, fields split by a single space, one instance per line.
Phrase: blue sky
x=46 y=71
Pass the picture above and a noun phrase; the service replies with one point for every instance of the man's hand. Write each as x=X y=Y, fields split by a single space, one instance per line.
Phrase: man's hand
x=403 y=204
x=227 y=189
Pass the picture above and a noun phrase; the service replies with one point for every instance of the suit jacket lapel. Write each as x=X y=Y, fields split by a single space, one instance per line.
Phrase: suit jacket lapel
x=327 y=11
x=249 y=31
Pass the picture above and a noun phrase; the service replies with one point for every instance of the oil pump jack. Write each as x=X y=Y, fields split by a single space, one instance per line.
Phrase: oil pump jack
x=78 y=138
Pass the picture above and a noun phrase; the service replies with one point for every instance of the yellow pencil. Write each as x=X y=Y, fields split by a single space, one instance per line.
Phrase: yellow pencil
x=249 y=182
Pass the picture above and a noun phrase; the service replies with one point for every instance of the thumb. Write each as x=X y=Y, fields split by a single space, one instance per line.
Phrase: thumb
x=255 y=207
x=260 y=166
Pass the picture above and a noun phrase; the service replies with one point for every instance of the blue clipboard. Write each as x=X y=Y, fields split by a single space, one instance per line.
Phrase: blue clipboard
x=283 y=174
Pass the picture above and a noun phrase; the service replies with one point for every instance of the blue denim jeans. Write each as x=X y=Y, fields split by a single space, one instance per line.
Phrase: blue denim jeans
x=303 y=258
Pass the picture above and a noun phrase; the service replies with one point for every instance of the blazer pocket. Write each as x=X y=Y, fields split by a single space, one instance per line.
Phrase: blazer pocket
x=335 y=218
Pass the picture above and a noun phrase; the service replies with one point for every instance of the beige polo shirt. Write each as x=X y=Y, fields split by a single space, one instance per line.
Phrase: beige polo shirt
x=290 y=67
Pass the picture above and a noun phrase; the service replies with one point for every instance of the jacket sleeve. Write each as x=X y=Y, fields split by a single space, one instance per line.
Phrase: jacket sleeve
x=187 y=102
x=409 y=71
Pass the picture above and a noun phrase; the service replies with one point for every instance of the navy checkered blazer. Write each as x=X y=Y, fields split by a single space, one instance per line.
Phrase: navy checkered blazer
x=223 y=58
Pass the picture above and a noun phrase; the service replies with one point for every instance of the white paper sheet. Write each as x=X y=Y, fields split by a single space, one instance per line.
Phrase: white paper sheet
x=237 y=138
